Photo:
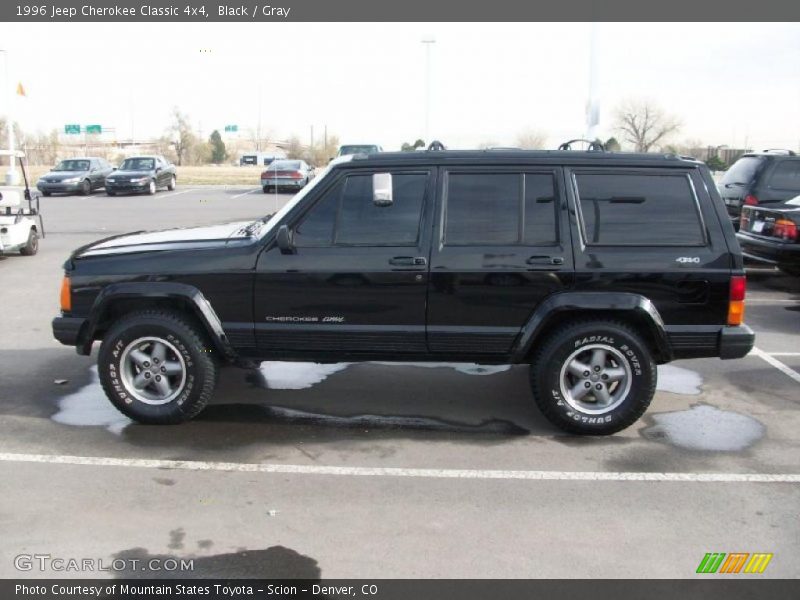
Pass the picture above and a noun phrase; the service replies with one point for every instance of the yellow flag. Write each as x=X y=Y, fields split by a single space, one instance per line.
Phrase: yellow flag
x=20 y=90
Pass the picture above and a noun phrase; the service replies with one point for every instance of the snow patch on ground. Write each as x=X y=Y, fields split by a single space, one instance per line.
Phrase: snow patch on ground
x=704 y=427
x=89 y=406
x=678 y=380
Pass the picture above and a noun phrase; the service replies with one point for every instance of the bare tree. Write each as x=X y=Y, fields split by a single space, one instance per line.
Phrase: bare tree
x=295 y=148
x=644 y=124
x=531 y=139
x=181 y=136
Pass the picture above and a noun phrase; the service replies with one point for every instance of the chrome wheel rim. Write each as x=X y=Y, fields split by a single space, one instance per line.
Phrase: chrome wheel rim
x=595 y=379
x=152 y=370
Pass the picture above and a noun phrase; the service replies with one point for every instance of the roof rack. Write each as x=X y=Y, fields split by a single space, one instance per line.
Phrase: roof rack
x=593 y=146
x=436 y=146
x=779 y=151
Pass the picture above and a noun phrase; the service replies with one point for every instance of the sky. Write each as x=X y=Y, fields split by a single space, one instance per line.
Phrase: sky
x=731 y=84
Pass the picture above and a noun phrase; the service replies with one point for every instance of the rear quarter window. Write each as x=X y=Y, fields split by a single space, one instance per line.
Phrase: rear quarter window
x=625 y=209
x=786 y=176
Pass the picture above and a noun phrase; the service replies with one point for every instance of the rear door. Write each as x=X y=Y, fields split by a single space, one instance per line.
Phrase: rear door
x=738 y=182
x=357 y=282
x=780 y=183
x=500 y=247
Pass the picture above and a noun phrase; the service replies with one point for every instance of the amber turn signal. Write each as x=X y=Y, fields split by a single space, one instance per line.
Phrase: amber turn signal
x=738 y=288
x=66 y=295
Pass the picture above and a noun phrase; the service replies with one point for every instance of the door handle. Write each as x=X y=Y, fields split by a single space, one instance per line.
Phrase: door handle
x=408 y=261
x=545 y=260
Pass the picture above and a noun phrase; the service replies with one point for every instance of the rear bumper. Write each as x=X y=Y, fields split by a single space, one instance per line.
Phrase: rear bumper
x=282 y=183
x=769 y=251
x=67 y=330
x=704 y=341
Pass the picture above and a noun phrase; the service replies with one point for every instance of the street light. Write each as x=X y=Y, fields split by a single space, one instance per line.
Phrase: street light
x=428 y=43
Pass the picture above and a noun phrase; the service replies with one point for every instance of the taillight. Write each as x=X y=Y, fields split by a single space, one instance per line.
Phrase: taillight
x=750 y=200
x=66 y=295
x=785 y=229
x=296 y=175
x=738 y=288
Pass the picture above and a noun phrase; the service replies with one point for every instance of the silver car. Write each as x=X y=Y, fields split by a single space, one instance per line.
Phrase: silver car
x=286 y=175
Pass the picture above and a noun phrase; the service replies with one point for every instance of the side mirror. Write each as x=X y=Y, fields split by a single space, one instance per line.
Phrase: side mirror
x=284 y=240
x=158 y=169
x=382 y=189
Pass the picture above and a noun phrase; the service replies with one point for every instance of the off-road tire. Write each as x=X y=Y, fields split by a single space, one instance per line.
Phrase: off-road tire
x=200 y=365
x=549 y=367
x=32 y=246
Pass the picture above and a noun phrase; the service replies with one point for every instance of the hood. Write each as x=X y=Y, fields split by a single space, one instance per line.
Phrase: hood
x=188 y=238
x=129 y=174
x=56 y=176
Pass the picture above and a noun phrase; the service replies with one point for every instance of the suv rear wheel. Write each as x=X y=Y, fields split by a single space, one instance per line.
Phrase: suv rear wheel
x=156 y=367
x=593 y=377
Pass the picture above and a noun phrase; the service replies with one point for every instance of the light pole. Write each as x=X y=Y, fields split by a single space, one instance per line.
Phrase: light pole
x=11 y=174
x=429 y=41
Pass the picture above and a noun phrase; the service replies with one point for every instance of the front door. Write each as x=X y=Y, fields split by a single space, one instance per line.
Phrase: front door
x=502 y=247
x=356 y=282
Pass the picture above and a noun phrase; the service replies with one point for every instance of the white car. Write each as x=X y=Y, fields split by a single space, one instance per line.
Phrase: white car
x=20 y=227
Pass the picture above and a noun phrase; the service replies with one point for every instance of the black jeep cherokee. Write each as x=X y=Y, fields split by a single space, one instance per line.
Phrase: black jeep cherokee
x=592 y=267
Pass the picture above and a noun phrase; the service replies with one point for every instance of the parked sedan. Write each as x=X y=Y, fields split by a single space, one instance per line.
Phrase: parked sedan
x=142 y=174
x=81 y=175
x=286 y=174
x=770 y=235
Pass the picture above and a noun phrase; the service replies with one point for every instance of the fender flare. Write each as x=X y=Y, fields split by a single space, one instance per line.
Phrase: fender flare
x=154 y=290
x=594 y=302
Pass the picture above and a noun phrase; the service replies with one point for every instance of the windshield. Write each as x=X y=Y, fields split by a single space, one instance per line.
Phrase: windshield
x=742 y=171
x=72 y=165
x=137 y=164
x=363 y=149
x=278 y=216
x=284 y=165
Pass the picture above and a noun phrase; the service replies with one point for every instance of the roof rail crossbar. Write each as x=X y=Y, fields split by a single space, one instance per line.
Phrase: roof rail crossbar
x=593 y=146
x=437 y=146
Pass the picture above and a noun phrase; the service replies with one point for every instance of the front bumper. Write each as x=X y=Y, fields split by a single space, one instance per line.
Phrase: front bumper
x=56 y=188
x=127 y=186
x=67 y=330
x=769 y=250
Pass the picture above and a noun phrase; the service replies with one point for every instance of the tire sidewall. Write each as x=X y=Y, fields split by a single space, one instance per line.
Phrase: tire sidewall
x=110 y=370
x=637 y=400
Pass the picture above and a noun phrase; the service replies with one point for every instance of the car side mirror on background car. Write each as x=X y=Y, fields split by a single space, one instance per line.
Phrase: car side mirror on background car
x=382 y=189
x=284 y=240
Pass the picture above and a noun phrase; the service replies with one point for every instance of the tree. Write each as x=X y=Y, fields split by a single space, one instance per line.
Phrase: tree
x=295 y=149
x=531 y=139
x=406 y=147
x=181 y=136
x=218 y=151
x=715 y=163
x=644 y=124
x=612 y=145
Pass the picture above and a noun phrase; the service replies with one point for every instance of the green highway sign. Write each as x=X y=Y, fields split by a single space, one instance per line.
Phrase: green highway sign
x=72 y=129
x=94 y=129
x=231 y=128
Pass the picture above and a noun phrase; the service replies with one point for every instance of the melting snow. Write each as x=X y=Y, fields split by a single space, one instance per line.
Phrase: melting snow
x=89 y=406
x=705 y=427
x=678 y=380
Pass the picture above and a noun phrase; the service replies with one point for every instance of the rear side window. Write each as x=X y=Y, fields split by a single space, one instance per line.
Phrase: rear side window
x=786 y=175
x=500 y=209
x=621 y=209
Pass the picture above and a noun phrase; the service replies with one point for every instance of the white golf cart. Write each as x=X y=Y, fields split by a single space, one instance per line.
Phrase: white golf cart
x=20 y=227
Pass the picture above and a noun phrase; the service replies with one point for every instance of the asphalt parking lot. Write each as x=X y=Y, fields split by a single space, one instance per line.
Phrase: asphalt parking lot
x=381 y=470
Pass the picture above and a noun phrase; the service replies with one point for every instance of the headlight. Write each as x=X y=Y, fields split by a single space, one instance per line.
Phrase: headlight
x=110 y=180
x=139 y=180
x=71 y=180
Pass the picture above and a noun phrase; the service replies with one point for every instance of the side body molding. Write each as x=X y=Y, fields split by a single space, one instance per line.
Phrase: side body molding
x=591 y=302
x=155 y=290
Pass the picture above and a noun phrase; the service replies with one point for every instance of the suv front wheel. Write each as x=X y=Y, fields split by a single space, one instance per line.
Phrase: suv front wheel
x=156 y=367
x=593 y=377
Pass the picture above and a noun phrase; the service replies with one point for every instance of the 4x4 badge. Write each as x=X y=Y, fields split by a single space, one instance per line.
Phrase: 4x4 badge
x=688 y=259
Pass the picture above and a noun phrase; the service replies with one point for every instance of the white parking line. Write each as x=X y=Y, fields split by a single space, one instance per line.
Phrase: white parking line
x=776 y=363
x=191 y=465
x=245 y=193
x=177 y=193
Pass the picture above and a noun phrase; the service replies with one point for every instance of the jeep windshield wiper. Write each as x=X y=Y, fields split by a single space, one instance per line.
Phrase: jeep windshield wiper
x=252 y=228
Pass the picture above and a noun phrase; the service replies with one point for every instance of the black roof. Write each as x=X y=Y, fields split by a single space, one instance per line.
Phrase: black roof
x=513 y=156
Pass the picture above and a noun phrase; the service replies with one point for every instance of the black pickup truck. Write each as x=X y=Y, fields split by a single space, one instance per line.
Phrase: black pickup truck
x=592 y=267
